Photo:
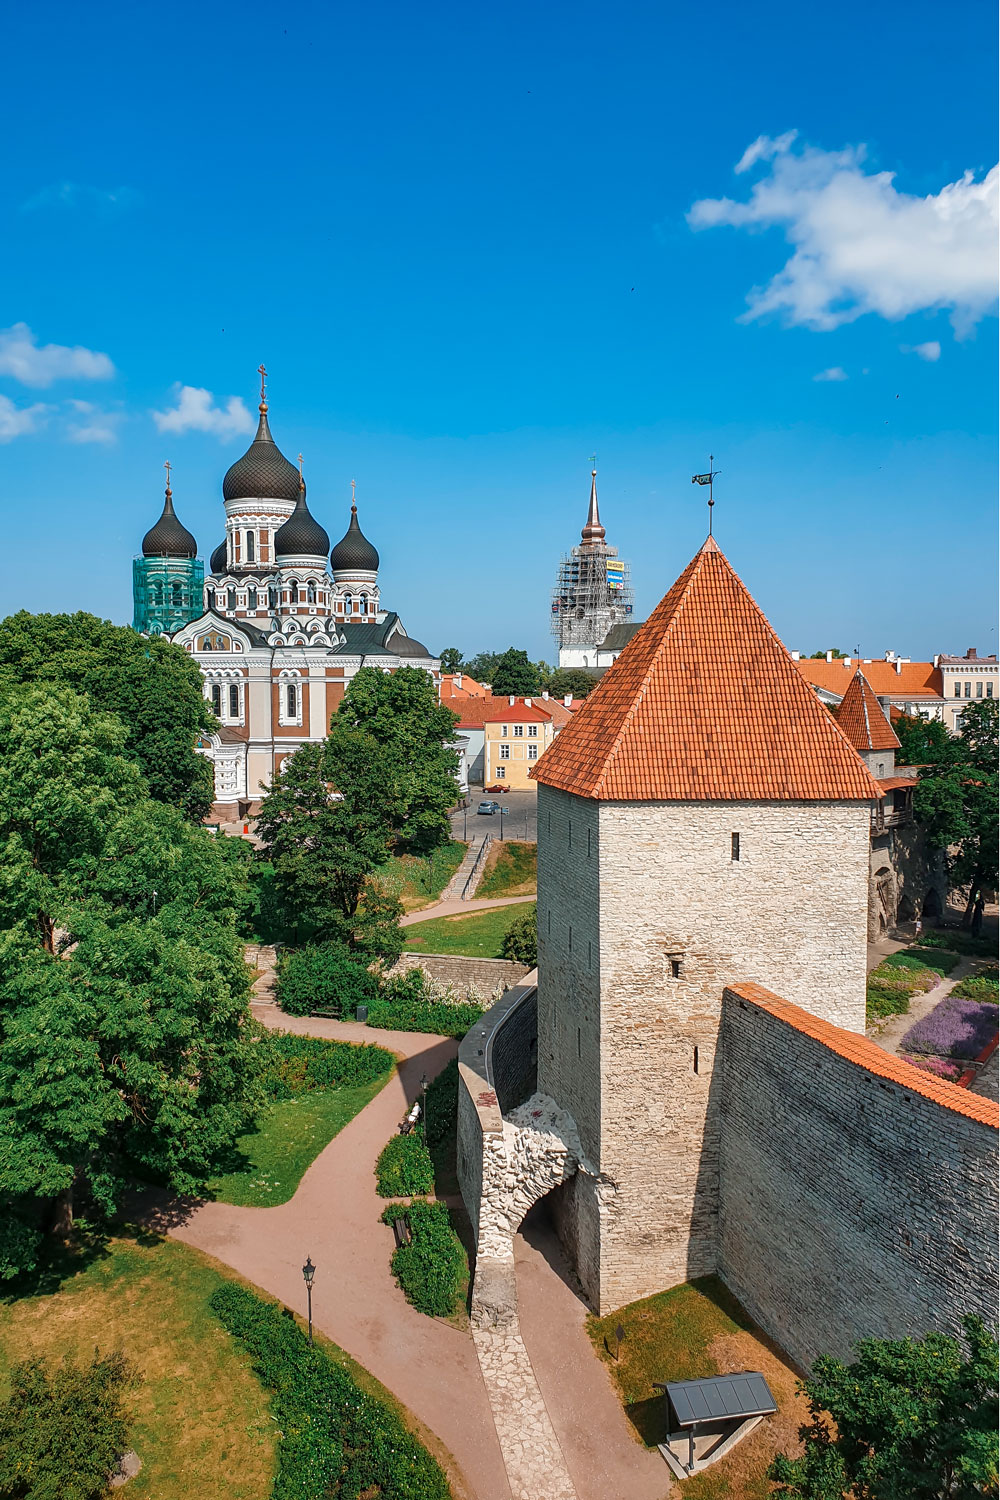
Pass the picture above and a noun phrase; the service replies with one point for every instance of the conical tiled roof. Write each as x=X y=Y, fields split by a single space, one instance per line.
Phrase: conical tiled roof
x=354 y=550
x=301 y=535
x=168 y=538
x=263 y=472
x=861 y=718
x=593 y=531
x=705 y=704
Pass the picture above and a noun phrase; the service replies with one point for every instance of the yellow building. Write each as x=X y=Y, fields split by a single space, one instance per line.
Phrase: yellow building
x=514 y=738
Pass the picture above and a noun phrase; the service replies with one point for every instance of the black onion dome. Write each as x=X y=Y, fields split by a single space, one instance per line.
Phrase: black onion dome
x=263 y=472
x=168 y=538
x=301 y=535
x=354 y=550
x=218 y=559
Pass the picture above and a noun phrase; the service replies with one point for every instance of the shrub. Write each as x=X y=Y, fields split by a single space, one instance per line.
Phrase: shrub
x=520 y=941
x=978 y=987
x=941 y=1067
x=891 y=986
x=958 y=942
x=404 y=1167
x=441 y=1119
x=335 y=1441
x=303 y=1063
x=438 y=1019
x=914 y=958
x=323 y=977
x=954 y=1028
x=63 y=1432
x=433 y=1271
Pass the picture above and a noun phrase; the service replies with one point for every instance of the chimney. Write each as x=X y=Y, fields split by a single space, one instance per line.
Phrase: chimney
x=796 y=656
x=511 y=700
x=890 y=656
x=527 y=702
x=970 y=655
x=568 y=699
x=899 y=666
x=846 y=660
x=545 y=695
x=458 y=681
x=829 y=656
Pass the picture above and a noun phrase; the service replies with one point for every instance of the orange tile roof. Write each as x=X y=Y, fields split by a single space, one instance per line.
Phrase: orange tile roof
x=469 y=688
x=896 y=783
x=860 y=716
x=867 y=1055
x=915 y=679
x=479 y=711
x=705 y=704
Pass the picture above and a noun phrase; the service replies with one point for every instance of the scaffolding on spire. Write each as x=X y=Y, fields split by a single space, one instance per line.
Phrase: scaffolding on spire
x=593 y=592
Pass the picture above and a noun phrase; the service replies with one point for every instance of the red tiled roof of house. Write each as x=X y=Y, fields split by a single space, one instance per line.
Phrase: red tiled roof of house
x=867 y=1055
x=479 y=711
x=705 y=704
x=896 y=783
x=860 y=716
x=461 y=685
x=915 y=679
x=559 y=712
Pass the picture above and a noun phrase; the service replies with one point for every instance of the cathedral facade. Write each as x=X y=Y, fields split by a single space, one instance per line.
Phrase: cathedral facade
x=282 y=623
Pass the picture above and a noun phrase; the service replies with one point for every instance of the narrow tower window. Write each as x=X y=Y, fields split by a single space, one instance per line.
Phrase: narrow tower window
x=291 y=696
x=696 y=1059
x=579 y=1043
x=234 y=701
x=675 y=968
x=736 y=846
x=251 y=547
x=216 y=700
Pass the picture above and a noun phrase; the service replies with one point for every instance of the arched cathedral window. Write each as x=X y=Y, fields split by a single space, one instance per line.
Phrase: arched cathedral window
x=251 y=545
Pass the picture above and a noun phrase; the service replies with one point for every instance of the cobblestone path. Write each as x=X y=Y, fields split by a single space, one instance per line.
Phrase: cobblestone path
x=533 y=1458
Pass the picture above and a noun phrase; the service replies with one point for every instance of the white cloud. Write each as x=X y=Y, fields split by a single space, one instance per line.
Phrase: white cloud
x=930 y=351
x=22 y=357
x=195 y=412
x=860 y=245
x=833 y=373
x=94 y=426
x=78 y=195
x=16 y=421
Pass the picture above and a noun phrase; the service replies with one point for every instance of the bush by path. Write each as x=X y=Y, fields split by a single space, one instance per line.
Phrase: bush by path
x=335 y=1441
x=304 y=1063
x=404 y=1004
x=432 y=1271
x=404 y=1167
x=958 y=942
x=323 y=977
x=521 y=938
x=442 y=1105
x=923 y=958
x=954 y=1028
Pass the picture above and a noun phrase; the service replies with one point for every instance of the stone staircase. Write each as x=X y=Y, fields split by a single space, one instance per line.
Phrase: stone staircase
x=262 y=958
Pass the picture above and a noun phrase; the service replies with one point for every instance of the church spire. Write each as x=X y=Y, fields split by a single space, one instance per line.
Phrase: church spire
x=593 y=531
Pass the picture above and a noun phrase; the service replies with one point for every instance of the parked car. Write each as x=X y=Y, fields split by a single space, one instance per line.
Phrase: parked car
x=487 y=809
x=498 y=788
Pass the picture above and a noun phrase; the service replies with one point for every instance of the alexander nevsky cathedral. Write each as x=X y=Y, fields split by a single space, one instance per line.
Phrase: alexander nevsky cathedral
x=278 y=627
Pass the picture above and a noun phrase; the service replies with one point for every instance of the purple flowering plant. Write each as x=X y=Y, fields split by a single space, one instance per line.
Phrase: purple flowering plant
x=954 y=1028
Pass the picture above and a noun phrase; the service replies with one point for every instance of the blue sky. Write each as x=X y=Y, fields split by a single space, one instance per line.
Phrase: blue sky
x=465 y=242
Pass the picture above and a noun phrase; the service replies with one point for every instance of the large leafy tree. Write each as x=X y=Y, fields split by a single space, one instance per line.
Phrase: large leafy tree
x=956 y=798
x=152 y=686
x=572 y=680
x=126 y=1042
x=909 y=1419
x=451 y=660
x=514 y=673
x=326 y=825
x=412 y=736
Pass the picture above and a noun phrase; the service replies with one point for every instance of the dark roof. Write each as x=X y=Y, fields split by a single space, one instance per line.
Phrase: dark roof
x=719 y=1397
x=263 y=472
x=379 y=638
x=301 y=535
x=354 y=550
x=217 y=561
x=168 y=538
x=619 y=635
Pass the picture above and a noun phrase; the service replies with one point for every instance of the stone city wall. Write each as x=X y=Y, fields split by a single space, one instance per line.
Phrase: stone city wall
x=858 y=1196
x=488 y=976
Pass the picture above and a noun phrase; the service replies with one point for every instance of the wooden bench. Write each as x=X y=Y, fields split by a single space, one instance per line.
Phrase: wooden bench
x=401 y=1229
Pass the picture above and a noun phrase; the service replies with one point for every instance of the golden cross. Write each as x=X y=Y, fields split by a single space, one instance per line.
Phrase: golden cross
x=263 y=382
x=166 y=465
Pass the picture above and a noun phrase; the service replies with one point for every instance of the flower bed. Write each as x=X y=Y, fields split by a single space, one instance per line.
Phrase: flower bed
x=891 y=986
x=941 y=1067
x=956 y=1027
x=978 y=987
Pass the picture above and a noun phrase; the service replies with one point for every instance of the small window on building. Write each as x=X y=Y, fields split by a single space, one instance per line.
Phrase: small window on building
x=588 y=843
x=979 y=690
x=548 y=923
x=503 y=730
x=216 y=700
x=505 y=752
x=569 y=833
x=590 y=953
x=958 y=690
x=881 y=768
x=532 y=731
x=968 y=689
x=232 y=599
x=234 y=700
x=251 y=547
x=501 y=773
x=989 y=690
x=735 y=853
x=696 y=1059
x=571 y=940
x=532 y=752
x=675 y=968
x=292 y=699
x=579 y=1043
x=364 y=604
x=519 y=731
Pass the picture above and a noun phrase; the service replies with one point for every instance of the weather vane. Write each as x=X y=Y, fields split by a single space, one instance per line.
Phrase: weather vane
x=592 y=460
x=707 y=479
x=263 y=387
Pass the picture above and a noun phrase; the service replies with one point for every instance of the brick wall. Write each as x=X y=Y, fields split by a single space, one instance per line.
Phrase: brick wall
x=857 y=1196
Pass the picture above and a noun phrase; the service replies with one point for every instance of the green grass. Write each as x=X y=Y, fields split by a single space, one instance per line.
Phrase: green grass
x=418 y=880
x=478 y=935
x=512 y=872
x=203 y=1423
x=291 y=1136
x=690 y=1332
x=959 y=941
x=923 y=958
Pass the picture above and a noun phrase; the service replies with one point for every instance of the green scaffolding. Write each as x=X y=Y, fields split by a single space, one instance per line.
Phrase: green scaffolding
x=167 y=592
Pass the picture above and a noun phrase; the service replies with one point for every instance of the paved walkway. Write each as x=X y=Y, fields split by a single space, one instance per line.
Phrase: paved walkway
x=458 y=908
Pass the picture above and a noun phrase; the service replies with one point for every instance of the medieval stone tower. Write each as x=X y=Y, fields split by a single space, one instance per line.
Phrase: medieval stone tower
x=702 y=821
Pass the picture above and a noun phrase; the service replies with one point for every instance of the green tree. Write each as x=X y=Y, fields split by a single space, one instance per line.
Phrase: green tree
x=451 y=659
x=411 y=735
x=956 y=799
x=834 y=651
x=909 y=1419
x=323 y=976
x=326 y=825
x=572 y=680
x=520 y=941
x=125 y=1037
x=921 y=741
x=63 y=1432
x=482 y=666
x=514 y=673
x=153 y=687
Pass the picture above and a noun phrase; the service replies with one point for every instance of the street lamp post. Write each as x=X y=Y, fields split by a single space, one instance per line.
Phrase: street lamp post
x=308 y=1272
x=423 y=1089
x=501 y=821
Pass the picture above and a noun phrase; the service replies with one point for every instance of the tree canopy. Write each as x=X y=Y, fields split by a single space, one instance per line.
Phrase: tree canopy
x=154 y=688
x=573 y=680
x=912 y=1419
x=451 y=660
x=514 y=673
x=126 y=1042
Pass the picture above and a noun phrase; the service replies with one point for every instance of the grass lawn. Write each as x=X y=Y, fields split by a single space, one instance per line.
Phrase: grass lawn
x=478 y=935
x=923 y=958
x=687 y=1333
x=203 y=1423
x=291 y=1136
x=511 y=870
x=418 y=881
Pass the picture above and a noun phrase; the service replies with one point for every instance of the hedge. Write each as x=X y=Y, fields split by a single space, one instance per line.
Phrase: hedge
x=404 y=1167
x=441 y=1118
x=335 y=1442
x=424 y=1015
x=958 y=942
x=323 y=976
x=433 y=1271
x=304 y=1063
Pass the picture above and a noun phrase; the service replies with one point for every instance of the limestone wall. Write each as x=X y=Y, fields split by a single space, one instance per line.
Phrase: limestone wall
x=858 y=1197
x=488 y=976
